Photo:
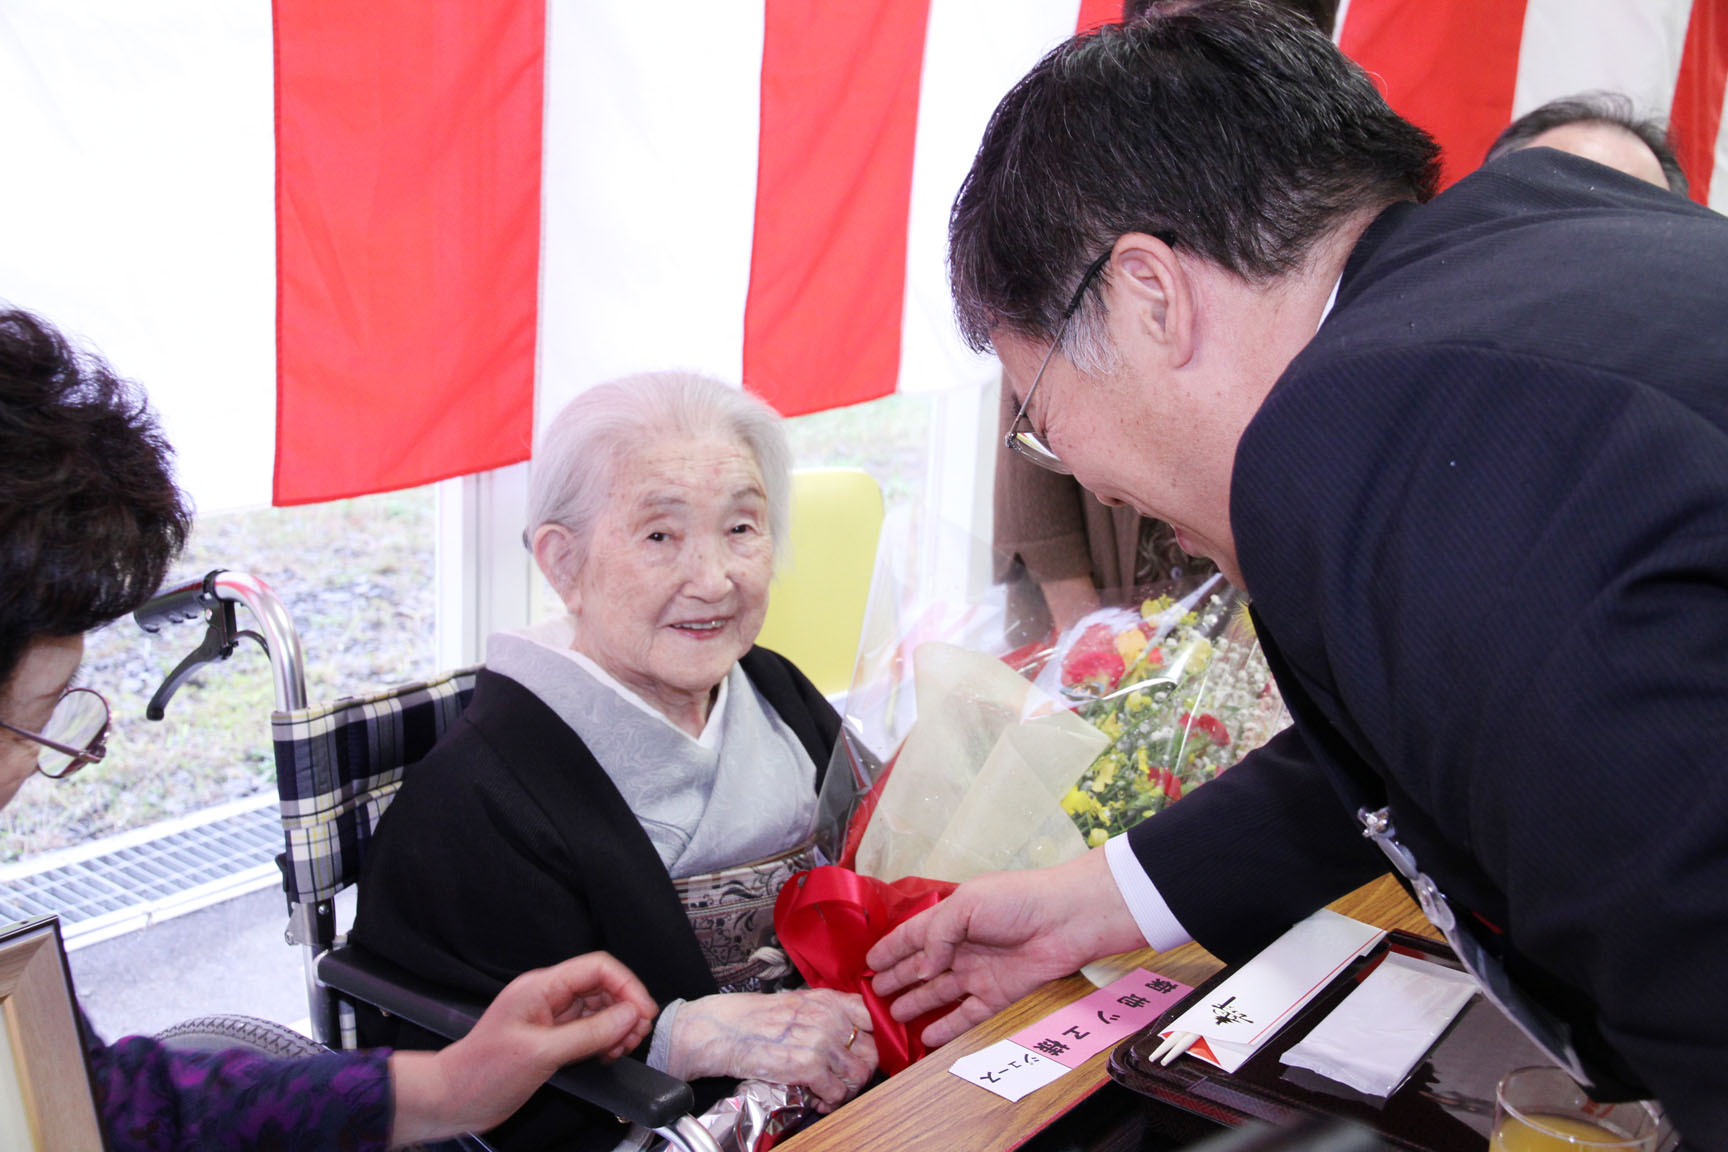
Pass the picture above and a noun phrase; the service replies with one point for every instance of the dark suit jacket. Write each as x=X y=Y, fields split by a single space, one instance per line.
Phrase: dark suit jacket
x=509 y=848
x=1484 y=520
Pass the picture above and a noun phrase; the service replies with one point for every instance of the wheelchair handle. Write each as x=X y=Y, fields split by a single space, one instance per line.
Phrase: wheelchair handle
x=173 y=605
x=213 y=598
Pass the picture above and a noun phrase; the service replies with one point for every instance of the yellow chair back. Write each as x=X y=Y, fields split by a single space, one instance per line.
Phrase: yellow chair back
x=816 y=604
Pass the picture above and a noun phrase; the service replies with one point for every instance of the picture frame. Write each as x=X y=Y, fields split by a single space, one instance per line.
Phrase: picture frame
x=46 y=1102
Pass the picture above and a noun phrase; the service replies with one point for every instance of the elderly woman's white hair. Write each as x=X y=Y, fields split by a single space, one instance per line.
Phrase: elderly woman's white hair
x=580 y=452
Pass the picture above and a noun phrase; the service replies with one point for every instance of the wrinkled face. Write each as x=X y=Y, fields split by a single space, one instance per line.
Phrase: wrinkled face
x=674 y=585
x=28 y=699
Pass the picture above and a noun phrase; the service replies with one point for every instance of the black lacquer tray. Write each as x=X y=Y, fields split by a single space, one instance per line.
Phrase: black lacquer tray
x=1446 y=1104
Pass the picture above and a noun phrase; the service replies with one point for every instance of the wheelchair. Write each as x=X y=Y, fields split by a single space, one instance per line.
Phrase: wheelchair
x=338 y=766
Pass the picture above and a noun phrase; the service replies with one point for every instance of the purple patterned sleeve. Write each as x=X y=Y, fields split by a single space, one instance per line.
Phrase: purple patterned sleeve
x=153 y=1099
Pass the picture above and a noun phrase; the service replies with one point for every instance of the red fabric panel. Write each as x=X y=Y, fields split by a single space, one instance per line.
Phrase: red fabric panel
x=408 y=234
x=1697 y=116
x=1449 y=67
x=1096 y=12
x=833 y=191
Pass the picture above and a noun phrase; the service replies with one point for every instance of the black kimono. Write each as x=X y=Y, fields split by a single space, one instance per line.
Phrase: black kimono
x=509 y=848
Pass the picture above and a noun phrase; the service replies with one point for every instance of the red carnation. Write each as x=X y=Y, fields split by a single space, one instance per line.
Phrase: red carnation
x=1210 y=725
x=1093 y=660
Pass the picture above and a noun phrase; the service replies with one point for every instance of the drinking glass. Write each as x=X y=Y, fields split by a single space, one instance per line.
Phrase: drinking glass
x=1544 y=1110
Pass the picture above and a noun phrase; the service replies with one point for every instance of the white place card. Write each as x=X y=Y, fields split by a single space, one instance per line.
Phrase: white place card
x=1008 y=1069
x=1374 y=1038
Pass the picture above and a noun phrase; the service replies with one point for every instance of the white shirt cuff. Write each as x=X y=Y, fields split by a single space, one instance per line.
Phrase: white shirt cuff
x=1154 y=918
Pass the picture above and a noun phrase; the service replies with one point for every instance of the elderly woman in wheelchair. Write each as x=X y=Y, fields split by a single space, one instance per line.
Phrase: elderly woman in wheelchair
x=635 y=775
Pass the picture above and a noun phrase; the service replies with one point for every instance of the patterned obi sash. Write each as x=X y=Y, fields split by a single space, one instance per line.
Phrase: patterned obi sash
x=732 y=914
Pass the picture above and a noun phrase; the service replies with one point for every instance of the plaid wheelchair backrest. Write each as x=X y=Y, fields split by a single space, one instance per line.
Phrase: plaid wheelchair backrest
x=339 y=765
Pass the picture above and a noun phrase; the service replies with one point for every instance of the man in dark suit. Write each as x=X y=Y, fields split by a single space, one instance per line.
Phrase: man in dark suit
x=1469 y=456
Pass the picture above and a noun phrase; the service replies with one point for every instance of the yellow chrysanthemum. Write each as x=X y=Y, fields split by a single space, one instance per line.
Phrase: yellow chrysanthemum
x=1079 y=803
x=1130 y=644
x=1155 y=607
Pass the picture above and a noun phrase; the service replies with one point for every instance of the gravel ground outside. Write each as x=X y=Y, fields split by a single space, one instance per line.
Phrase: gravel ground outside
x=356 y=576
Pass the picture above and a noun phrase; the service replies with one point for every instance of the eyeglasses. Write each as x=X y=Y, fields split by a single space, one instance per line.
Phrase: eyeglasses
x=76 y=733
x=1021 y=437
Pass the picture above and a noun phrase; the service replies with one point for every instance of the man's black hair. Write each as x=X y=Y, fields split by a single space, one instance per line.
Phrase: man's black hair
x=1235 y=128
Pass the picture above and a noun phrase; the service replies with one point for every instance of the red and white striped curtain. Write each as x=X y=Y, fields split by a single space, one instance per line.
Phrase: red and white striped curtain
x=1463 y=69
x=354 y=247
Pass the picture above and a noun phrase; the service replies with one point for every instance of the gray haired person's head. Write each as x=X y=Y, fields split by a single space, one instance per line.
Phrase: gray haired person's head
x=1233 y=130
x=1610 y=109
x=581 y=450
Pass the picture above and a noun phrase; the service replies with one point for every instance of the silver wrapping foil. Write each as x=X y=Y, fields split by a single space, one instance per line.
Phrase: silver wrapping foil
x=759 y=1115
x=756 y=1117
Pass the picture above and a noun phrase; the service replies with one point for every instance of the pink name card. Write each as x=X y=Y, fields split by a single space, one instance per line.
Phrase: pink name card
x=1046 y=1051
x=1099 y=1019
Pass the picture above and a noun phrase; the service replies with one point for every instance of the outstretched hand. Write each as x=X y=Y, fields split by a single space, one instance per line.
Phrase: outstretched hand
x=588 y=1007
x=996 y=938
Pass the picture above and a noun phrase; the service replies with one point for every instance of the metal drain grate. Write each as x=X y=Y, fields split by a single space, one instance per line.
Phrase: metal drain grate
x=124 y=883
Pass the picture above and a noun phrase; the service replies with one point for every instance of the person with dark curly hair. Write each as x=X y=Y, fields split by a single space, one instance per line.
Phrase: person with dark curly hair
x=90 y=520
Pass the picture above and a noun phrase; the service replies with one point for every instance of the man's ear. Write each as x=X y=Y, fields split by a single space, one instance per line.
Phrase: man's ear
x=555 y=553
x=1157 y=291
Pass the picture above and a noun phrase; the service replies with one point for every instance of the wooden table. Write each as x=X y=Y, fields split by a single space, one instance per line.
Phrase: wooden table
x=925 y=1107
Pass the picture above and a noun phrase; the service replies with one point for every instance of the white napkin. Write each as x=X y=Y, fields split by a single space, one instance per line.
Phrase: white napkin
x=1372 y=1040
x=1248 y=1008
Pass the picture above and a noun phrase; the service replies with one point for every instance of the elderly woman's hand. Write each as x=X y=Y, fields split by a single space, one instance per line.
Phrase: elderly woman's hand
x=814 y=1037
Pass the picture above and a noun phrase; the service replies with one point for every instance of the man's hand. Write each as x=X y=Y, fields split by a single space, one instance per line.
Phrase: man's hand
x=996 y=938
x=587 y=1007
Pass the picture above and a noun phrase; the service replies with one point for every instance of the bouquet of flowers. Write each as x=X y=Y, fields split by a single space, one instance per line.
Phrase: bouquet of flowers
x=960 y=756
x=1181 y=690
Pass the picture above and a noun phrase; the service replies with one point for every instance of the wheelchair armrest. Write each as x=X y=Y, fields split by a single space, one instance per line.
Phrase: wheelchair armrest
x=627 y=1088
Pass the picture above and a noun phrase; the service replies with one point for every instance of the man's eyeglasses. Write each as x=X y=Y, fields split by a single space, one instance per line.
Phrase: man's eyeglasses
x=76 y=733
x=1021 y=437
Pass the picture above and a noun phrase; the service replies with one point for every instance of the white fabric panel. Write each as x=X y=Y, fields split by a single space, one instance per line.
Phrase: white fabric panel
x=1573 y=46
x=139 y=211
x=650 y=189
x=971 y=58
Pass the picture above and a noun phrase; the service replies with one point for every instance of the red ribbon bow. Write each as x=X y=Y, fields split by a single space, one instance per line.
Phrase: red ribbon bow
x=828 y=918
